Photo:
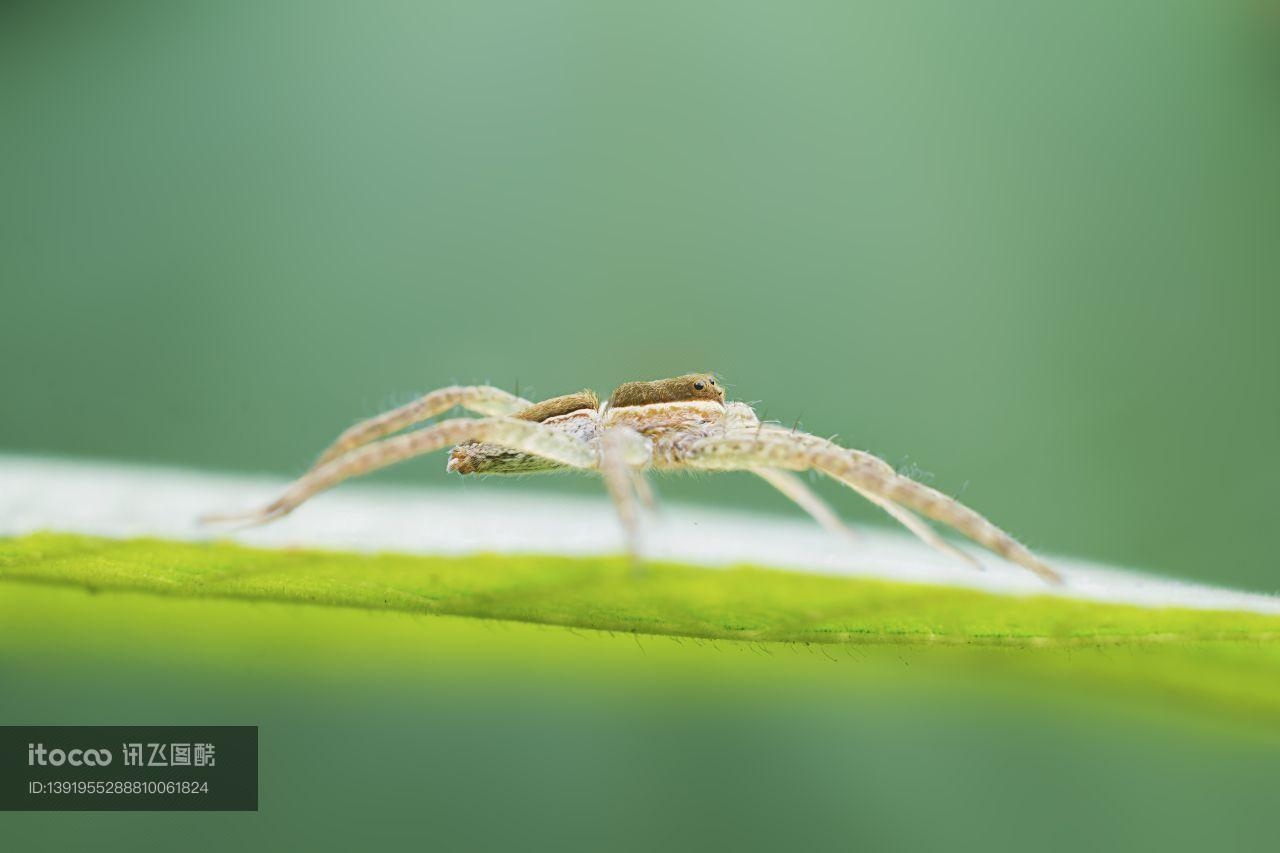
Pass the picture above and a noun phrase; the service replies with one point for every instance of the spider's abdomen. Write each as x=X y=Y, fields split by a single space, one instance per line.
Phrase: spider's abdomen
x=482 y=458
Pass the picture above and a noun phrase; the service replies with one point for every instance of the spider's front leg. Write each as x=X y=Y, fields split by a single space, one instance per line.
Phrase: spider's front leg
x=527 y=436
x=903 y=516
x=868 y=474
x=741 y=419
x=794 y=488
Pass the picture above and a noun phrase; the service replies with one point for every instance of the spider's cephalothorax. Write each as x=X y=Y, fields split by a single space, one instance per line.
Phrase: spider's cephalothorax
x=667 y=424
x=683 y=389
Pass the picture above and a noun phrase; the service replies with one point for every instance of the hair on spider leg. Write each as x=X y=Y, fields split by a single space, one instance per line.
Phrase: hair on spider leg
x=909 y=469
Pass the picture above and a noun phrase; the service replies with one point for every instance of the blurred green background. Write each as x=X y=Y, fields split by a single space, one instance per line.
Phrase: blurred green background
x=1030 y=249
x=1027 y=248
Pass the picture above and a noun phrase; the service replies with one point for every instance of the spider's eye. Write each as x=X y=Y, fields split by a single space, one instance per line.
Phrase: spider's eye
x=699 y=385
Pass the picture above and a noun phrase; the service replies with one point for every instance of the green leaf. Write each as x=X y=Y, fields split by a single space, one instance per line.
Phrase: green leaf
x=1218 y=660
x=602 y=593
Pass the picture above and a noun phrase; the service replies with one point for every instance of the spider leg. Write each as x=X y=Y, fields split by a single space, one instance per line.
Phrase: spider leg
x=527 y=436
x=903 y=516
x=915 y=524
x=481 y=399
x=644 y=491
x=949 y=511
x=623 y=454
x=804 y=497
x=772 y=448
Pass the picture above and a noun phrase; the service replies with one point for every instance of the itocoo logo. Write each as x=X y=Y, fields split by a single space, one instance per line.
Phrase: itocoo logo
x=37 y=754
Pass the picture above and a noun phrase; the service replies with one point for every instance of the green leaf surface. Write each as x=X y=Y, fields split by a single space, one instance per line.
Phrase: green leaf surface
x=602 y=593
x=1227 y=663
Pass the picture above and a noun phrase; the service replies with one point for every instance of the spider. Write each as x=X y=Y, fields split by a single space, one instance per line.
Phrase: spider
x=674 y=424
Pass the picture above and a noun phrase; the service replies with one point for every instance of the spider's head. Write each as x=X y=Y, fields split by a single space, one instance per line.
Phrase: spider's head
x=703 y=386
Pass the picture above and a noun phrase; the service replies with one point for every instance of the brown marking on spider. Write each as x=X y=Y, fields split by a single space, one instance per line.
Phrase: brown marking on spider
x=680 y=424
x=556 y=406
x=681 y=389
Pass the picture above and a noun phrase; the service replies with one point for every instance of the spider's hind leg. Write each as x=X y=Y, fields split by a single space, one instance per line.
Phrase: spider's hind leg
x=529 y=437
x=481 y=399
